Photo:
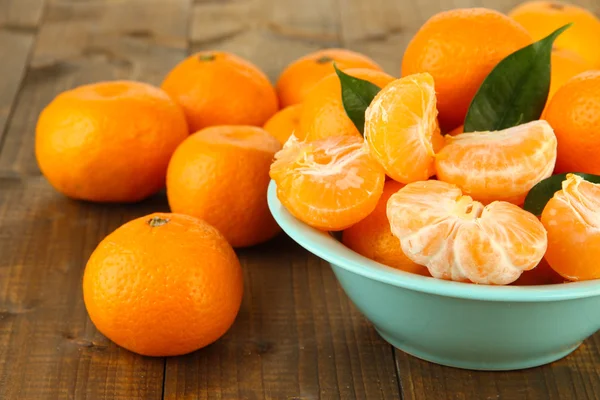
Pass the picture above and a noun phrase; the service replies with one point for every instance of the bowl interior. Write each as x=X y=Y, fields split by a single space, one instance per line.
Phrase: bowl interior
x=325 y=246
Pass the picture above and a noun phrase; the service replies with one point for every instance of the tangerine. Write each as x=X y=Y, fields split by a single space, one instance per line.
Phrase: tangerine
x=541 y=18
x=574 y=113
x=284 y=123
x=220 y=88
x=109 y=141
x=299 y=77
x=163 y=285
x=572 y=218
x=459 y=48
x=221 y=174
x=460 y=239
x=372 y=237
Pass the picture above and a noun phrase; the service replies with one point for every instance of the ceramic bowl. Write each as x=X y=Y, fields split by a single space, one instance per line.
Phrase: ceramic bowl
x=451 y=323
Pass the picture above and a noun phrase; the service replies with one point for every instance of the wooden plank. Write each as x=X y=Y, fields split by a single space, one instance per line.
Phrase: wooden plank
x=48 y=347
x=83 y=42
x=18 y=23
x=21 y=15
x=575 y=377
x=297 y=336
x=270 y=33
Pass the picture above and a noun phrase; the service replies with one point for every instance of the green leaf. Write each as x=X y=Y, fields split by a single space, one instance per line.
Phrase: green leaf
x=539 y=195
x=516 y=90
x=357 y=95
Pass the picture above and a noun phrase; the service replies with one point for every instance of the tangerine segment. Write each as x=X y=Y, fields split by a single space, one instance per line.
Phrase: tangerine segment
x=373 y=238
x=572 y=218
x=401 y=128
x=330 y=183
x=502 y=165
x=460 y=239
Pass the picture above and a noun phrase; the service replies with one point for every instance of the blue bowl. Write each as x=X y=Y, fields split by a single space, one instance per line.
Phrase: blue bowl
x=451 y=323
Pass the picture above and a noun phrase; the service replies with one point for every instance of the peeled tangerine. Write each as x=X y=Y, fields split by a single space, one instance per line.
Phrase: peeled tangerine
x=402 y=130
x=502 y=165
x=460 y=239
x=330 y=183
x=572 y=218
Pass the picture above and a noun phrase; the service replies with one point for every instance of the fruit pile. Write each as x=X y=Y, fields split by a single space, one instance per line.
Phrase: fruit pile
x=444 y=172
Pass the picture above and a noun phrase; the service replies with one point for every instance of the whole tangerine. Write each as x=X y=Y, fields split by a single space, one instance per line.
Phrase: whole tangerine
x=459 y=48
x=221 y=174
x=163 y=285
x=220 y=88
x=300 y=76
x=284 y=123
x=541 y=17
x=574 y=113
x=373 y=238
x=109 y=141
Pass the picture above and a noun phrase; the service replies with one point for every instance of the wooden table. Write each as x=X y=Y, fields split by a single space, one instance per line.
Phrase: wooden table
x=297 y=335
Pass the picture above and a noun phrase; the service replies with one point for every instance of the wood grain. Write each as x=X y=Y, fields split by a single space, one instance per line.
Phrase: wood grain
x=48 y=347
x=297 y=335
x=575 y=377
x=84 y=42
x=19 y=20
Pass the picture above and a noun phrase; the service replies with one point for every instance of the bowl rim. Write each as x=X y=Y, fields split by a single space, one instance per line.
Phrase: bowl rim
x=326 y=247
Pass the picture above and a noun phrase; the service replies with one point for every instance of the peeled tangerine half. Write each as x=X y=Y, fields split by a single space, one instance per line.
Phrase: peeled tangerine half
x=460 y=239
x=572 y=218
x=501 y=165
x=330 y=183
x=402 y=130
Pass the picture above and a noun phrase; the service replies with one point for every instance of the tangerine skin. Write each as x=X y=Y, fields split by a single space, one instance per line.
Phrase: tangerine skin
x=221 y=175
x=220 y=88
x=300 y=76
x=574 y=113
x=109 y=141
x=372 y=237
x=459 y=48
x=284 y=123
x=163 y=285
x=541 y=17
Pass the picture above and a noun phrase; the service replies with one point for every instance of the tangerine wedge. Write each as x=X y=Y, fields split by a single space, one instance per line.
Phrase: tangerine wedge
x=460 y=239
x=402 y=130
x=502 y=165
x=572 y=218
x=330 y=183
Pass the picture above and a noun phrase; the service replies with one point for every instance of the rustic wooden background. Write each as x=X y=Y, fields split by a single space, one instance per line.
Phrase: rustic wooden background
x=297 y=335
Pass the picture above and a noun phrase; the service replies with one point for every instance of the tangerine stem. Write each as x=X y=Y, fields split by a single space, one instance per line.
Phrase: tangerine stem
x=207 y=57
x=324 y=60
x=157 y=221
